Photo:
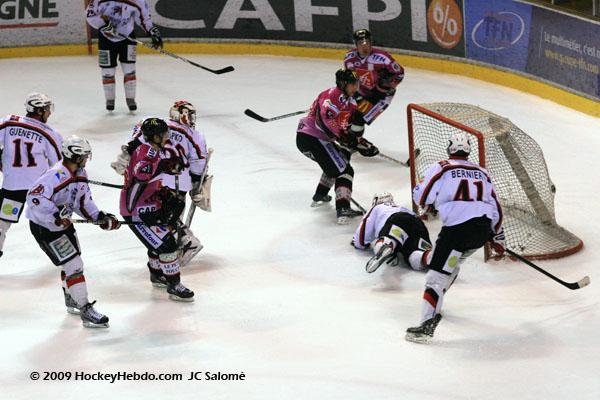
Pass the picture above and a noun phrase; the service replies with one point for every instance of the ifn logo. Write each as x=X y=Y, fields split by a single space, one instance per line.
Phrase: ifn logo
x=27 y=13
x=497 y=31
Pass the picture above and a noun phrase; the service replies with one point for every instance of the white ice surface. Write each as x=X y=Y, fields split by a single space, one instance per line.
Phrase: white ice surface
x=280 y=294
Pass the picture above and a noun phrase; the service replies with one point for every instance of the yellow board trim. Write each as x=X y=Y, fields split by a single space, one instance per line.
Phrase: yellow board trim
x=487 y=74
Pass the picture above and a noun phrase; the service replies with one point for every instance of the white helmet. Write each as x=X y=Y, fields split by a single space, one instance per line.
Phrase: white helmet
x=459 y=144
x=75 y=149
x=382 y=198
x=184 y=112
x=38 y=102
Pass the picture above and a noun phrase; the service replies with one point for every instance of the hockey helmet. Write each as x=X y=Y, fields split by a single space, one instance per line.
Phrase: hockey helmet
x=362 y=35
x=382 y=198
x=459 y=145
x=345 y=76
x=184 y=112
x=37 y=103
x=76 y=149
x=153 y=127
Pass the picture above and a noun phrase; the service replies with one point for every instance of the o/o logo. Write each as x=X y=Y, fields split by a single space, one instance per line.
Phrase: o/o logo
x=9 y=209
x=444 y=20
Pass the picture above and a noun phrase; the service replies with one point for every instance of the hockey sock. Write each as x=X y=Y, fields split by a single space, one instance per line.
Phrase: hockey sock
x=4 y=227
x=154 y=265
x=435 y=285
x=108 y=81
x=169 y=264
x=419 y=259
x=129 y=80
x=343 y=188
x=63 y=280
x=75 y=281
x=324 y=185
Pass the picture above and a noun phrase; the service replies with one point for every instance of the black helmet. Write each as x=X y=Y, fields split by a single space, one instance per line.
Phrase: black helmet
x=362 y=34
x=345 y=76
x=151 y=127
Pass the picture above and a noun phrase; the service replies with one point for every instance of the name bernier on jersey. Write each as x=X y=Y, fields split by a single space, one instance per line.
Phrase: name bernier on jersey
x=470 y=174
x=25 y=133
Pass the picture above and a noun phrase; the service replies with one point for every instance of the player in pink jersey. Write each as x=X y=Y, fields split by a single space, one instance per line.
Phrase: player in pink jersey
x=327 y=123
x=378 y=74
x=28 y=147
x=156 y=207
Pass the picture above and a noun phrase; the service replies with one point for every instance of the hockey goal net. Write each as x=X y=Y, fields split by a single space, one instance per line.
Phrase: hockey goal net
x=516 y=165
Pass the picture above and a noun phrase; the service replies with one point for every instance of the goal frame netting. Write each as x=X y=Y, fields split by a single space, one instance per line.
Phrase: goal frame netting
x=479 y=138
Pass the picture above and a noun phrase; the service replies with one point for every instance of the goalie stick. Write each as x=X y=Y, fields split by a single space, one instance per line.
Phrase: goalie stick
x=583 y=282
x=257 y=117
x=361 y=208
x=167 y=53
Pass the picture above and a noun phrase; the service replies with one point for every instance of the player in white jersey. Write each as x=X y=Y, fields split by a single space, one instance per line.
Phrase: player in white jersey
x=464 y=195
x=60 y=191
x=391 y=231
x=190 y=145
x=115 y=21
x=28 y=146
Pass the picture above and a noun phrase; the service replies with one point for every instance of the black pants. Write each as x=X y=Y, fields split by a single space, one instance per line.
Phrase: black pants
x=414 y=228
x=12 y=203
x=470 y=235
x=61 y=247
x=110 y=51
x=157 y=240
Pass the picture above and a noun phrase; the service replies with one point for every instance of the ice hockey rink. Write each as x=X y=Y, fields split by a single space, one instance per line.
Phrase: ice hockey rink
x=280 y=294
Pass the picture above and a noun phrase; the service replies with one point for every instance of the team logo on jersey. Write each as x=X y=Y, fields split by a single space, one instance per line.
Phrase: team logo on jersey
x=39 y=189
x=365 y=78
x=60 y=174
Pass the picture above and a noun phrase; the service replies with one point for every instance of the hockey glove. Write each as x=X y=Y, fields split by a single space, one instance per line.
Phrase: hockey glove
x=172 y=207
x=157 y=42
x=62 y=217
x=497 y=243
x=108 y=221
x=122 y=161
x=366 y=148
x=349 y=140
x=171 y=166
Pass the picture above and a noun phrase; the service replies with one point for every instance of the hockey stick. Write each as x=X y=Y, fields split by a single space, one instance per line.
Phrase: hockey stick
x=89 y=221
x=583 y=282
x=167 y=53
x=361 y=208
x=405 y=163
x=178 y=224
x=257 y=117
x=192 y=209
x=112 y=185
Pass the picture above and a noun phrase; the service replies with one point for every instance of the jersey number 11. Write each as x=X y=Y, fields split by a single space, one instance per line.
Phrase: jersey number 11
x=30 y=158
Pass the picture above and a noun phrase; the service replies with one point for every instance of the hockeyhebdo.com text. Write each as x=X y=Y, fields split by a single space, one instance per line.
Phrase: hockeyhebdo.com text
x=113 y=377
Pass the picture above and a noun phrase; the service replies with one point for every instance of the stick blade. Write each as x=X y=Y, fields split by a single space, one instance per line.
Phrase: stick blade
x=584 y=282
x=224 y=70
x=254 y=115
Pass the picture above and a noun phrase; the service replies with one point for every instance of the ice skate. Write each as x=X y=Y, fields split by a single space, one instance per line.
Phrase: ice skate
x=385 y=254
x=318 y=200
x=345 y=214
x=131 y=104
x=92 y=318
x=70 y=304
x=158 y=280
x=110 y=105
x=423 y=333
x=178 y=292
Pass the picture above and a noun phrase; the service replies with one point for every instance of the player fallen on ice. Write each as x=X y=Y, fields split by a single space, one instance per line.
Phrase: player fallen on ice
x=317 y=134
x=392 y=231
x=144 y=199
x=115 y=21
x=463 y=194
x=60 y=191
x=190 y=144
x=379 y=75
x=28 y=147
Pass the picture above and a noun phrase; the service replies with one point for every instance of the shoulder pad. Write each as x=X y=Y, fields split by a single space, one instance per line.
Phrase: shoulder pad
x=443 y=163
x=350 y=54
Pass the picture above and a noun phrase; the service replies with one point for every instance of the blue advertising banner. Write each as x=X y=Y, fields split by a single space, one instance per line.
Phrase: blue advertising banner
x=565 y=50
x=497 y=32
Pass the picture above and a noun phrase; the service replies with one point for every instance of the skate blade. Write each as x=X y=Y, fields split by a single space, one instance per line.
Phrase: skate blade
x=73 y=310
x=374 y=263
x=181 y=299
x=159 y=285
x=92 y=325
x=343 y=220
x=316 y=204
x=421 y=339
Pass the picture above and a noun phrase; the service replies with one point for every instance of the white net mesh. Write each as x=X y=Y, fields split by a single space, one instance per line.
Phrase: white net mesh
x=517 y=167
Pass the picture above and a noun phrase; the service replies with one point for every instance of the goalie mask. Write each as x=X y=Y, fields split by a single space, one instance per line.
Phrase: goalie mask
x=459 y=145
x=183 y=112
x=382 y=198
